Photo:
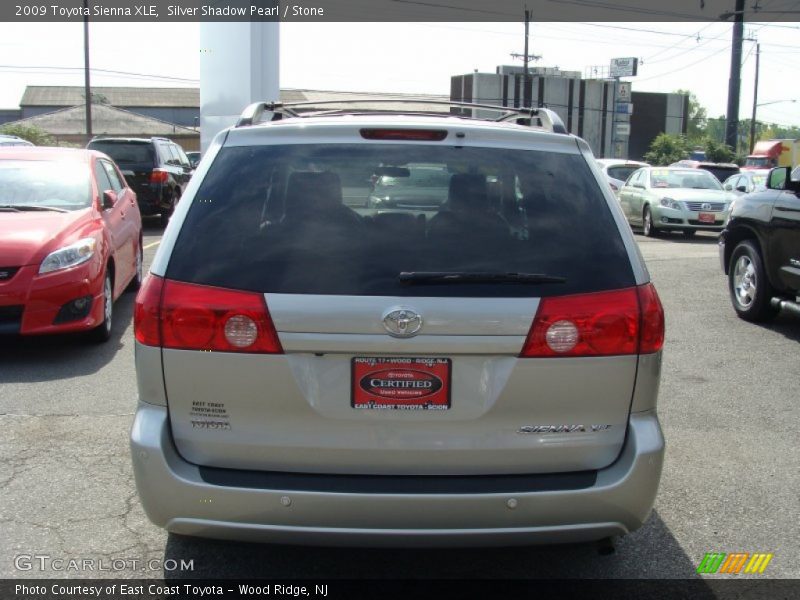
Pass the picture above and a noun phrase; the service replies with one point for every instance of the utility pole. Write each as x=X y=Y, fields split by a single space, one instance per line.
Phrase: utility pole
x=86 y=81
x=525 y=60
x=732 y=122
x=755 y=102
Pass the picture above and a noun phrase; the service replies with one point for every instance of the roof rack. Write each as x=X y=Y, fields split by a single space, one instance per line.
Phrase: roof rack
x=547 y=118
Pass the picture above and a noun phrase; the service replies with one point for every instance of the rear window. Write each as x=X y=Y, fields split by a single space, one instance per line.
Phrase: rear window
x=125 y=152
x=622 y=173
x=721 y=173
x=302 y=219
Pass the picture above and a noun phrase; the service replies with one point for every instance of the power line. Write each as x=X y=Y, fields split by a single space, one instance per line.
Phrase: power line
x=95 y=70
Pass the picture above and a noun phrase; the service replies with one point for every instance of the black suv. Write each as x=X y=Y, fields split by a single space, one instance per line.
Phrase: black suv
x=157 y=169
x=760 y=249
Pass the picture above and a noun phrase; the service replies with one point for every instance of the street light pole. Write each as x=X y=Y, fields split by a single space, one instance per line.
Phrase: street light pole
x=755 y=101
x=732 y=123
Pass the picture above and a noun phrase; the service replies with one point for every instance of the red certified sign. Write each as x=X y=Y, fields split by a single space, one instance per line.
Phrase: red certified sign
x=401 y=383
x=706 y=217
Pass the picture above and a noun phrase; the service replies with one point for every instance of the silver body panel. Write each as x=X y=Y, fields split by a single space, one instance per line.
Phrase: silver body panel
x=293 y=413
x=175 y=496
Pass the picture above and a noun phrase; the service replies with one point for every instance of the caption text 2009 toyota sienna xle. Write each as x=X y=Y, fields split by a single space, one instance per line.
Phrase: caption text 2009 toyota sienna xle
x=475 y=362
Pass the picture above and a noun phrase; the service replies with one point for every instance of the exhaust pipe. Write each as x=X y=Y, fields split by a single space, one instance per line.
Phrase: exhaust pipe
x=787 y=305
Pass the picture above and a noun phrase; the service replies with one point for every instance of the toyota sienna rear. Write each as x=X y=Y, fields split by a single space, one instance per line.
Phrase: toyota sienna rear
x=478 y=367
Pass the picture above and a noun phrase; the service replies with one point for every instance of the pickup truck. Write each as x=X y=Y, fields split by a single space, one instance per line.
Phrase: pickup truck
x=760 y=249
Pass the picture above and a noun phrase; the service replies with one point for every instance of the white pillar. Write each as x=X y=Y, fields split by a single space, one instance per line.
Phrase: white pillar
x=239 y=64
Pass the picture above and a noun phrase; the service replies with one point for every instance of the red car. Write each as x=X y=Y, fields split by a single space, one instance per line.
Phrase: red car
x=70 y=241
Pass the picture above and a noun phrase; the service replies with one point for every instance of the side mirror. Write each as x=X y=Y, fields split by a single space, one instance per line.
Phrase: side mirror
x=741 y=188
x=109 y=198
x=778 y=178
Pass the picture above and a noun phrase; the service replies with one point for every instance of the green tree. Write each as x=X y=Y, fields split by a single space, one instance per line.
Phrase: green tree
x=667 y=149
x=35 y=135
x=719 y=153
x=698 y=118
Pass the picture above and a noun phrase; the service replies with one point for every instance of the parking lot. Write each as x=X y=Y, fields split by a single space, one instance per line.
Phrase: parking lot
x=728 y=404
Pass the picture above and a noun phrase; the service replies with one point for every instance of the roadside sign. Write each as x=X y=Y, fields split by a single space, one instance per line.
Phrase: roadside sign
x=624 y=91
x=624 y=108
x=623 y=128
x=623 y=67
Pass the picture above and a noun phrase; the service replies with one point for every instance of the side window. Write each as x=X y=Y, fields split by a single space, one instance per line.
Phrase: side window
x=164 y=154
x=183 y=160
x=113 y=177
x=103 y=183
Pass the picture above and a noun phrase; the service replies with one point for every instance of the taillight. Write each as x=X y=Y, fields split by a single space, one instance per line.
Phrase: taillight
x=619 y=322
x=198 y=317
x=159 y=176
x=146 y=312
x=651 y=338
x=419 y=135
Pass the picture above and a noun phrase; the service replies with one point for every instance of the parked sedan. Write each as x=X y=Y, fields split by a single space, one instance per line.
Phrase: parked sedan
x=617 y=170
x=747 y=182
x=70 y=241
x=669 y=198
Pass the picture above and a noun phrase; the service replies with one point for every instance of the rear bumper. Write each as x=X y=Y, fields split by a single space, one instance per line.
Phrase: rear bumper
x=176 y=495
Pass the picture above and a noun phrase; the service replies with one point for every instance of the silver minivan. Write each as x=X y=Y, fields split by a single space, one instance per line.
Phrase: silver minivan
x=480 y=367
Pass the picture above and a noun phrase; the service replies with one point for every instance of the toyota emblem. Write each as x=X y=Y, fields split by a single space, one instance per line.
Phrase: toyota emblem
x=402 y=322
x=706 y=206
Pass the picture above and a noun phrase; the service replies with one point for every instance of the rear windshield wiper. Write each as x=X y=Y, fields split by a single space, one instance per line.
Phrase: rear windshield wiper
x=23 y=207
x=436 y=277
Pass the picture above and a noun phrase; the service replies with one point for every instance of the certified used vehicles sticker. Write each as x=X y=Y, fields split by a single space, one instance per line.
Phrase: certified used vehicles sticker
x=401 y=383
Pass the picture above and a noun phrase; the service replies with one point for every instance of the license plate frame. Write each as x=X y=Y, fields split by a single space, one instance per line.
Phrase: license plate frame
x=406 y=383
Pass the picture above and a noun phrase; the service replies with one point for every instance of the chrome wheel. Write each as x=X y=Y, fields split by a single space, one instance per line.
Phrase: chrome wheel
x=108 y=304
x=744 y=281
x=647 y=223
x=138 y=276
x=102 y=333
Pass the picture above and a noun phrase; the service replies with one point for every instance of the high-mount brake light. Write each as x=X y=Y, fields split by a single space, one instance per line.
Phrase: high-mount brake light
x=415 y=135
x=186 y=316
x=619 y=322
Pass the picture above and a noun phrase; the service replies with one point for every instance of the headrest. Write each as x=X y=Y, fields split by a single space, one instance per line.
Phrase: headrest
x=467 y=192
x=309 y=191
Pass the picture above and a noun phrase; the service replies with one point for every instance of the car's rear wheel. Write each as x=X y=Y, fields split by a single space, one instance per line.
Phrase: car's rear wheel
x=648 y=228
x=102 y=333
x=748 y=285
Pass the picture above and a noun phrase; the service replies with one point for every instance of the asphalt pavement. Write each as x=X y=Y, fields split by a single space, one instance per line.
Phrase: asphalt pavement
x=730 y=483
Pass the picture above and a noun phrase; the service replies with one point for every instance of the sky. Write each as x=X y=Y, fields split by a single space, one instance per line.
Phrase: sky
x=419 y=57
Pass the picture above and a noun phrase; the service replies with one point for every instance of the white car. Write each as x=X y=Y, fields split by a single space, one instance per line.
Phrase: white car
x=617 y=170
x=13 y=140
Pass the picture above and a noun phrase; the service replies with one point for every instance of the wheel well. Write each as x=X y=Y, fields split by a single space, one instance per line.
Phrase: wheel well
x=112 y=270
x=734 y=238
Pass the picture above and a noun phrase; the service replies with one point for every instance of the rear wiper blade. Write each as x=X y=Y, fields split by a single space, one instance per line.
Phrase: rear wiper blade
x=415 y=277
x=22 y=207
